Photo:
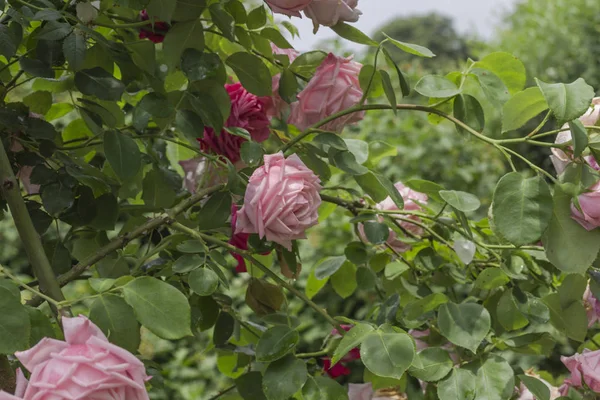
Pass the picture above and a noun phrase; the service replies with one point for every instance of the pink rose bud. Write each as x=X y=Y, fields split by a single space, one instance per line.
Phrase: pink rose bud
x=589 y=214
x=330 y=12
x=275 y=105
x=247 y=112
x=584 y=368
x=412 y=202
x=288 y=7
x=333 y=88
x=592 y=306
x=281 y=201
x=85 y=366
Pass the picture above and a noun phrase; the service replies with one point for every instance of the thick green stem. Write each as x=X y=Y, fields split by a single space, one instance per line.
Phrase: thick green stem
x=29 y=237
x=7 y=376
x=248 y=256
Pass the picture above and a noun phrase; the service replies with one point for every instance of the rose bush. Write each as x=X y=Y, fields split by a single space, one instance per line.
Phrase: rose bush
x=180 y=175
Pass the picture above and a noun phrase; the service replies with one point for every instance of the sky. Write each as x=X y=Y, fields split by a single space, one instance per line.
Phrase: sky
x=476 y=16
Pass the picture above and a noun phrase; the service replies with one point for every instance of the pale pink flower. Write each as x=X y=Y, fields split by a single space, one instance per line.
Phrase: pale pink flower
x=589 y=214
x=592 y=306
x=281 y=201
x=412 y=202
x=584 y=368
x=333 y=88
x=85 y=366
x=330 y=12
x=247 y=112
x=291 y=8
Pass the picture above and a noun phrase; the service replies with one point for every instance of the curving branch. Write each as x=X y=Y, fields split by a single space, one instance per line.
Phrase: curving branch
x=121 y=241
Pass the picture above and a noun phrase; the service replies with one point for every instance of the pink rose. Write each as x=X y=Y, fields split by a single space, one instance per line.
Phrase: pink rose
x=86 y=366
x=330 y=12
x=275 y=105
x=584 y=367
x=360 y=391
x=412 y=201
x=332 y=89
x=589 y=214
x=592 y=307
x=288 y=7
x=340 y=368
x=247 y=112
x=281 y=201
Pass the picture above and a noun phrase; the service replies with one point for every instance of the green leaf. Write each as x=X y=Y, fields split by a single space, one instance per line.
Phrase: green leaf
x=223 y=20
x=307 y=63
x=157 y=191
x=224 y=328
x=353 y=338
x=39 y=102
x=491 y=278
x=387 y=354
x=15 y=325
x=536 y=387
x=521 y=208
x=462 y=201
x=160 y=307
x=156 y=105
x=161 y=9
x=257 y=18
x=203 y=281
x=436 y=86
x=522 y=107
x=388 y=89
x=57 y=197
x=216 y=211
x=495 y=379
x=187 y=263
x=431 y=189
x=465 y=325
x=353 y=34
x=8 y=42
x=249 y=386
x=468 y=110
x=328 y=266
x=123 y=154
x=507 y=67
x=284 y=377
x=567 y=101
x=568 y=245
x=579 y=136
x=99 y=83
x=376 y=232
x=38 y=128
x=252 y=73
x=415 y=309
x=181 y=36
x=275 y=343
x=345 y=280
x=143 y=54
x=431 y=364
x=74 y=48
x=314 y=285
x=379 y=188
x=54 y=30
x=411 y=48
x=252 y=153
x=36 y=68
x=117 y=320
x=509 y=316
x=323 y=388
x=492 y=86
x=41 y=327
x=288 y=86
x=571 y=321
x=458 y=386
x=395 y=269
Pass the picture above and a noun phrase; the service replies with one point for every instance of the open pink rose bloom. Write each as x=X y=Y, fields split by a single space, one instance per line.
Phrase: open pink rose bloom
x=86 y=366
x=281 y=201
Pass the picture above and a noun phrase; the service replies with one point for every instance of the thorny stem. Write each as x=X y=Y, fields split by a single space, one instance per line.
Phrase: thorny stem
x=248 y=256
